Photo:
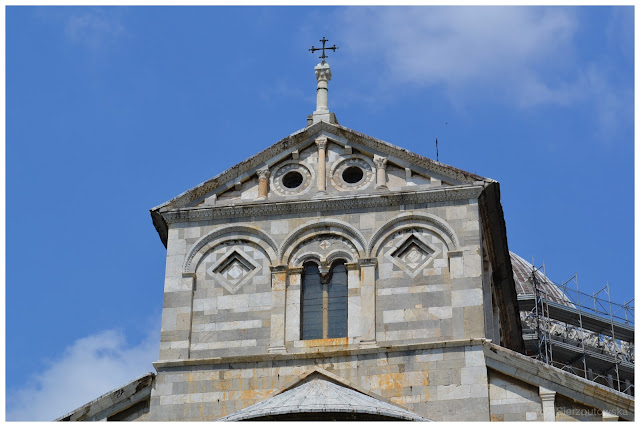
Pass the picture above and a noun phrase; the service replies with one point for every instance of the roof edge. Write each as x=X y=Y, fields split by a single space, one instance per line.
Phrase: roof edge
x=97 y=406
x=537 y=373
x=495 y=232
x=293 y=139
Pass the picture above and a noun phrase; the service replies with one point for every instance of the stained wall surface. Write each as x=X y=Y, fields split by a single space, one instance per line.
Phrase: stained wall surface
x=445 y=383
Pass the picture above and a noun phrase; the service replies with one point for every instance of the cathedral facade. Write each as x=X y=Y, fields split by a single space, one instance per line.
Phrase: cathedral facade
x=335 y=276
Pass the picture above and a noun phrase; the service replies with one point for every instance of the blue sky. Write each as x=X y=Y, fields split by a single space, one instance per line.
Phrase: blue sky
x=111 y=111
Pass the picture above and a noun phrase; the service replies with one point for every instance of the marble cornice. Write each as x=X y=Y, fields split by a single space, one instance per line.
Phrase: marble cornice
x=265 y=209
x=314 y=353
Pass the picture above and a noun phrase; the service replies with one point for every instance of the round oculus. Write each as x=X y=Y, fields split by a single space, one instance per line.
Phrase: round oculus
x=292 y=179
x=352 y=175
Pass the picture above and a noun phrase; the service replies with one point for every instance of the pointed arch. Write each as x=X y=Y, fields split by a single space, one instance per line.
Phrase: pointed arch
x=222 y=234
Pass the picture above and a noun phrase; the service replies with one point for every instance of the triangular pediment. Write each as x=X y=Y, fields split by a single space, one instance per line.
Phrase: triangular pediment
x=320 y=392
x=291 y=170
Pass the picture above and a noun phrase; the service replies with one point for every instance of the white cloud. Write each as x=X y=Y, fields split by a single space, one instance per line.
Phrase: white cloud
x=507 y=48
x=90 y=367
x=518 y=56
x=94 y=28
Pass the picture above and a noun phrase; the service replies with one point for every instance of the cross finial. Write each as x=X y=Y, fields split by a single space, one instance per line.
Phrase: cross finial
x=313 y=48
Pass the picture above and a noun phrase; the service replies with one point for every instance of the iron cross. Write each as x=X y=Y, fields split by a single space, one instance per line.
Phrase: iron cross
x=313 y=48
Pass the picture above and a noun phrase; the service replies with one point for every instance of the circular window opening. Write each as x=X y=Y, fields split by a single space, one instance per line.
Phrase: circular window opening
x=352 y=174
x=292 y=179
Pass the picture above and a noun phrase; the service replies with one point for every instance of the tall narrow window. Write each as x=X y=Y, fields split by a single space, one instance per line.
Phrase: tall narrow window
x=324 y=302
x=312 y=303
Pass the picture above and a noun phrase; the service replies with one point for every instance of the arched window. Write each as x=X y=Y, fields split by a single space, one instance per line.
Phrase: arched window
x=324 y=302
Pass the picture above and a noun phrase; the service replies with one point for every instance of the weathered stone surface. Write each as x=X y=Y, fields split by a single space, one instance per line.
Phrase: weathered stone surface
x=408 y=378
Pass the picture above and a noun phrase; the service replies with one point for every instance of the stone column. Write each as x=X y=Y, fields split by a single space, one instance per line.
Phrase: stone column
x=353 y=300
x=292 y=313
x=263 y=183
x=323 y=75
x=368 y=302
x=324 y=270
x=381 y=174
x=321 y=142
x=548 y=398
x=278 y=295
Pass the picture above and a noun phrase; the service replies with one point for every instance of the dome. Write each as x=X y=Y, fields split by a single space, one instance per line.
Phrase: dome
x=524 y=285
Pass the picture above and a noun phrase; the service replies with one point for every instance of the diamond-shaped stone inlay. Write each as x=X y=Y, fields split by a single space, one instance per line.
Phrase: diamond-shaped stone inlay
x=234 y=270
x=325 y=244
x=413 y=257
x=413 y=254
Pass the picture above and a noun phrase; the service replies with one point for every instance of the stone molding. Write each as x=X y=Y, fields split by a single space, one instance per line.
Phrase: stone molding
x=352 y=266
x=367 y=262
x=224 y=233
x=321 y=205
x=442 y=229
x=278 y=268
x=312 y=353
x=315 y=228
x=328 y=259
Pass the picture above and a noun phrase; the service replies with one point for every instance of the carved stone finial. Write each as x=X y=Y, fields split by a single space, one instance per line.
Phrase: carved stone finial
x=323 y=75
x=323 y=72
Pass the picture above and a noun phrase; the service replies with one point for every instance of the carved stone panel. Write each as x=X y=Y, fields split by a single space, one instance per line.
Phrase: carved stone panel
x=233 y=265
x=413 y=251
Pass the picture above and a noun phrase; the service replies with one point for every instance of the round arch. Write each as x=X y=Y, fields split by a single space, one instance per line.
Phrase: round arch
x=318 y=258
x=223 y=234
x=323 y=227
x=420 y=221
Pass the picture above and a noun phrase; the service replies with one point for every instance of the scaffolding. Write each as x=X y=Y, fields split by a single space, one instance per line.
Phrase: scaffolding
x=585 y=334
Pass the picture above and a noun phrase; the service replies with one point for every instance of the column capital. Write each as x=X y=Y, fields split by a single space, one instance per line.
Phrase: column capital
x=352 y=266
x=278 y=269
x=380 y=162
x=263 y=173
x=321 y=142
x=363 y=262
x=295 y=270
x=546 y=394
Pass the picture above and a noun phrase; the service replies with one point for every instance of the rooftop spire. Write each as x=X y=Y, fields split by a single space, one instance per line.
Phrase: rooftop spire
x=323 y=75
